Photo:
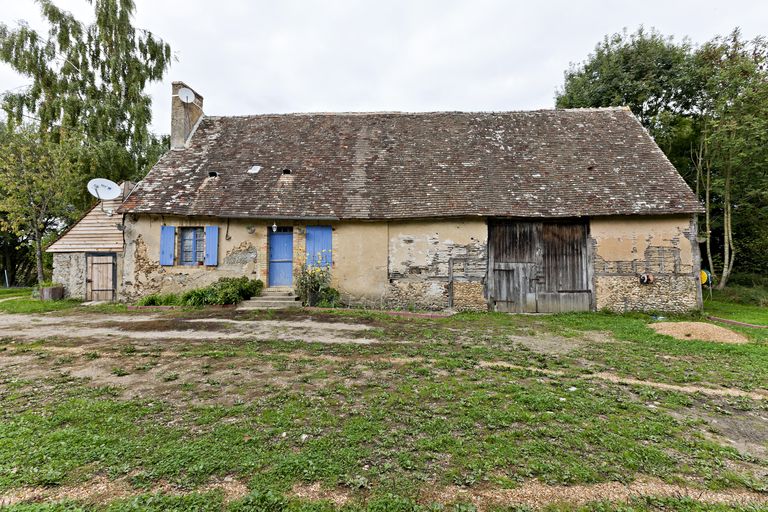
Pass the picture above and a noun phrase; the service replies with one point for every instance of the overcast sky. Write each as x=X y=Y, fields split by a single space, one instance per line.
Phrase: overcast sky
x=251 y=57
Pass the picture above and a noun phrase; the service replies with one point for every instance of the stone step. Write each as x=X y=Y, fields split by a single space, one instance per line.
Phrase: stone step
x=268 y=304
x=274 y=298
x=277 y=292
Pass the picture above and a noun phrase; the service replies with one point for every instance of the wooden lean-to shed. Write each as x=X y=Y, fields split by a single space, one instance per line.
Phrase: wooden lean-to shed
x=87 y=258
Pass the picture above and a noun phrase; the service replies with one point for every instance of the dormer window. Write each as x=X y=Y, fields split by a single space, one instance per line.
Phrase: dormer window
x=286 y=171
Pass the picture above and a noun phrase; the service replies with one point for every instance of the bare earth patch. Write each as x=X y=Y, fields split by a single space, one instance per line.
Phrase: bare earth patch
x=532 y=493
x=535 y=494
x=101 y=490
x=315 y=492
x=616 y=379
x=35 y=327
x=698 y=331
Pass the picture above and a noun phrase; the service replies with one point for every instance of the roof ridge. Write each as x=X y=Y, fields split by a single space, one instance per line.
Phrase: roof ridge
x=423 y=113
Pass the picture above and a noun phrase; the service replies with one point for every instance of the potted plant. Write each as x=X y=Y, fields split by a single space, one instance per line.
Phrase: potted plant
x=51 y=291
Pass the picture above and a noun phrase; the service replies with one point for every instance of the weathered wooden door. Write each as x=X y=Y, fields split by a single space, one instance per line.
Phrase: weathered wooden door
x=281 y=257
x=538 y=266
x=101 y=276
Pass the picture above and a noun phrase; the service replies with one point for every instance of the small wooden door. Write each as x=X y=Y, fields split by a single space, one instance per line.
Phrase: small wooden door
x=101 y=276
x=281 y=256
x=538 y=266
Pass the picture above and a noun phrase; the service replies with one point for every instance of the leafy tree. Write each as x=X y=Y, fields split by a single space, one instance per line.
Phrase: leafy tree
x=707 y=108
x=36 y=172
x=84 y=78
x=644 y=71
x=90 y=77
x=734 y=141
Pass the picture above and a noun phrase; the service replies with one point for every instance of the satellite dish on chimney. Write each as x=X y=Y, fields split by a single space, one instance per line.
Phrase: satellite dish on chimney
x=186 y=95
x=104 y=189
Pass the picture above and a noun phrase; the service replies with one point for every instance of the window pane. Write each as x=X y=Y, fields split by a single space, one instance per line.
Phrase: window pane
x=192 y=246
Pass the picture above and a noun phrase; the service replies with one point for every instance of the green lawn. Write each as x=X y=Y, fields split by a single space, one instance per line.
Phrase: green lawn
x=14 y=292
x=407 y=406
x=751 y=314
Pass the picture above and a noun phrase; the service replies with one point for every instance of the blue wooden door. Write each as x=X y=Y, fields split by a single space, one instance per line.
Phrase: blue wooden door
x=281 y=257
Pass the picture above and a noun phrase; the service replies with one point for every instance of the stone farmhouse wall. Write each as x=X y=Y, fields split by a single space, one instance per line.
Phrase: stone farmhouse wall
x=69 y=270
x=626 y=247
x=428 y=264
x=419 y=265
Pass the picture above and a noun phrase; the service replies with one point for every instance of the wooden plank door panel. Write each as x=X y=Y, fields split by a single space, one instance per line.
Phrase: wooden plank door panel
x=100 y=277
x=538 y=266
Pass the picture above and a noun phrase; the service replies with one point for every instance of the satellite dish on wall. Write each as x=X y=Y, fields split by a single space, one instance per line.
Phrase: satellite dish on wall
x=104 y=189
x=186 y=95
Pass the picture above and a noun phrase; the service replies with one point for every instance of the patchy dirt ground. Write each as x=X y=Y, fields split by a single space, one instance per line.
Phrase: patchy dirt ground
x=531 y=493
x=148 y=327
x=221 y=361
x=698 y=331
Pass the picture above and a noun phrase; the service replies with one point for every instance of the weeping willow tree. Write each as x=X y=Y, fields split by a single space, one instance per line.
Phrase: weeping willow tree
x=91 y=78
x=84 y=113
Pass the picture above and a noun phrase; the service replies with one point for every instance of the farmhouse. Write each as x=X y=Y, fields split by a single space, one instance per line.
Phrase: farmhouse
x=540 y=211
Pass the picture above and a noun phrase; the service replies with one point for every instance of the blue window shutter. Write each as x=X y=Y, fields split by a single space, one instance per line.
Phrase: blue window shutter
x=319 y=246
x=212 y=245
x=167 y=245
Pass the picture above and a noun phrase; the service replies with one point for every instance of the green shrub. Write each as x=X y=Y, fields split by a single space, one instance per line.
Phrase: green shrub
x=156 y=299
x=197 y=297
x=748 y=295
x=227 y=290
x=329 y=298
x=751 y=280
x=149 y=300
x=313 y=286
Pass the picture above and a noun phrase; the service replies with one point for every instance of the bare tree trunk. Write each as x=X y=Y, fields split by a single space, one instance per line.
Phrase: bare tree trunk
x=707 y=219
x=729 y=253
x=39 y=255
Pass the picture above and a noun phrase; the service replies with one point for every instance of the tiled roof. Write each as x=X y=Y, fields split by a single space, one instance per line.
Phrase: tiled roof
x=546 y=163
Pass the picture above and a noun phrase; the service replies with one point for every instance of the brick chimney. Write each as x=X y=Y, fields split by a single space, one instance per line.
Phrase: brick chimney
x=184 y=116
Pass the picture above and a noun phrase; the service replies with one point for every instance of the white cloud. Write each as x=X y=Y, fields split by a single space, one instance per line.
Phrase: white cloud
x=250 y=57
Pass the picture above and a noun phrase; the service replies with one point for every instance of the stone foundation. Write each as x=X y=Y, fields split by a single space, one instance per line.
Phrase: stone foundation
x=624 y=248
x=418 y=295
x=469 y=296
x=673 y=294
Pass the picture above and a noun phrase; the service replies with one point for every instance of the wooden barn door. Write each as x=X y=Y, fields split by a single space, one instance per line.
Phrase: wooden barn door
x=101 y=275
x=538 y=266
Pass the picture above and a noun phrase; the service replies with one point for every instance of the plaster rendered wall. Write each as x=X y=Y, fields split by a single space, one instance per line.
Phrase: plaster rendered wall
x=380 y=264
x=420 y=256
x=360 y=262
x=242 y=252
x=69 y=270
x=626 y=247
